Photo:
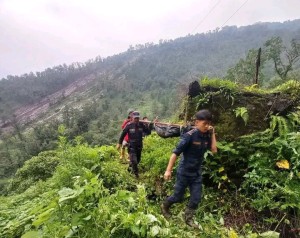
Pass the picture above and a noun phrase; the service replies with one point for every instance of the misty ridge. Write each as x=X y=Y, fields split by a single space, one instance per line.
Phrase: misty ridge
x=135 y=77
x=209 y=54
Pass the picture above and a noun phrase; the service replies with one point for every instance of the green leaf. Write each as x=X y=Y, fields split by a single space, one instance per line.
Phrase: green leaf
x=68 y=193
x=221 y=169
x=154 y=231
x=87 y=218
x=269 y=234
x=151 y=218
x=123 y=194
x=32 y=234
x=72 y=231
x=42 y=217
x=135 y=230
x=65 y=192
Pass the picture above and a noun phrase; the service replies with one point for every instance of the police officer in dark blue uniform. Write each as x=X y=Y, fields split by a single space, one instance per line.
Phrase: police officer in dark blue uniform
x=135 y=130
x=193 y=146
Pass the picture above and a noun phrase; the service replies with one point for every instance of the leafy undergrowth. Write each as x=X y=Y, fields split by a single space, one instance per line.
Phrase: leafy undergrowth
x=91 y=194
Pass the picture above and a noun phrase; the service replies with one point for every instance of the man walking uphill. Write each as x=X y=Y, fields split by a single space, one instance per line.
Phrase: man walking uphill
x=135 y=130
x=193 y=145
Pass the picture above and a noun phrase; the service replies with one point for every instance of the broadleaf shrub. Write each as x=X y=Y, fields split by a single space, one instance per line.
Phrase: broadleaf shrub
x=37 y=168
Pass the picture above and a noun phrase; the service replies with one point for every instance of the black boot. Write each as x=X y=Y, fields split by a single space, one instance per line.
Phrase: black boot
x=165 y=209
x=189 y=217
x=135 y=170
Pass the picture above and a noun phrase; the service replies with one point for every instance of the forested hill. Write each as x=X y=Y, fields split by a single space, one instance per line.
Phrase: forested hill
x=150 y=66
x=91 y=99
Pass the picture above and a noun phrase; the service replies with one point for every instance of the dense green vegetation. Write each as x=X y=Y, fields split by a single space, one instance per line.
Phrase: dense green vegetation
x=87 y=192
x=99 y=123
x=78 y=190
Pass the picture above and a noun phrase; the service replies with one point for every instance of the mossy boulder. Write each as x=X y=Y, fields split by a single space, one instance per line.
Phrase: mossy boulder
x=225 y=103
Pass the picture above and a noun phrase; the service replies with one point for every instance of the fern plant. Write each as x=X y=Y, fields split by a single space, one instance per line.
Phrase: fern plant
x=291 y=87
x=280 y=125
x=294 y=118
x=285 y=125
x=203 y=100
x=228 y=94
x=243 y=113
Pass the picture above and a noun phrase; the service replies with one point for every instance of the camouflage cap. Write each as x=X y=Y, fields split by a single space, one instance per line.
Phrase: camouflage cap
x=135 y=114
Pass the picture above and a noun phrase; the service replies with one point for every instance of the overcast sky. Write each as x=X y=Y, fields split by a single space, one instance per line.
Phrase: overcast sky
x=36 y=34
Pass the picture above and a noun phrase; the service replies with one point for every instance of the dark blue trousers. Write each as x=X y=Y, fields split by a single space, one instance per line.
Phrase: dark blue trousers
x=135 y=158
x=194 y=183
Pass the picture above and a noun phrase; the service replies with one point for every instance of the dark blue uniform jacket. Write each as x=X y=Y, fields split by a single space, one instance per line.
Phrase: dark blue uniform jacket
x=135 y=133
x=193 y=145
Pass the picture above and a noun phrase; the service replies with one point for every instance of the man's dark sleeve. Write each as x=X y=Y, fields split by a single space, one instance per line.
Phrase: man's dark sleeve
x=183 y=144
x=123 y=134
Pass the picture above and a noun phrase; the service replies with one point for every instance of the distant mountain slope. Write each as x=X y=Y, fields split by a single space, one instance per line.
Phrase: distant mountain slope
x=148 y=68
x=31 y=112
